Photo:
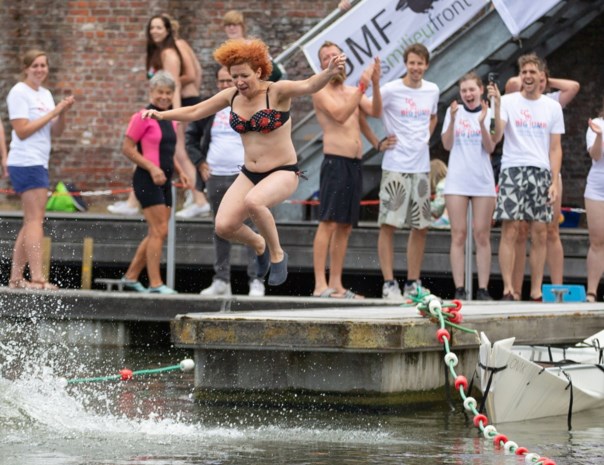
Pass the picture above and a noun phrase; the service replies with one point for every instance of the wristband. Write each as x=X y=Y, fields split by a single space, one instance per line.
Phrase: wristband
x=362 y=87
x=380 y=143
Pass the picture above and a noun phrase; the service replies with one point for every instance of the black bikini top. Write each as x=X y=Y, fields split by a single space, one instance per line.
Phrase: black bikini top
x=263 y=121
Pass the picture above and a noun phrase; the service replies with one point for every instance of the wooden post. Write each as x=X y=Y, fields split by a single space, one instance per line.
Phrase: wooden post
x=87 y=253
x=46 y=246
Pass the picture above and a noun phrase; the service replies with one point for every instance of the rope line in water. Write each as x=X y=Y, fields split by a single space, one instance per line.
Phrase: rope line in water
x=445 y=314
x=126 y=374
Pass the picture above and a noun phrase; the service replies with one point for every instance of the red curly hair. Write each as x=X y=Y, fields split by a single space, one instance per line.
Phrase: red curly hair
x=254 y=52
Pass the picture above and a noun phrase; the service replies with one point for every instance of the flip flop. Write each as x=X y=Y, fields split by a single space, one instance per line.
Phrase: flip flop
x=348 y=295
x=278 y=272
x=325 y=294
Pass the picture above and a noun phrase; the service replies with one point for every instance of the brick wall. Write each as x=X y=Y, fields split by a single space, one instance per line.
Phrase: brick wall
x=97 y=52
x=579 y=60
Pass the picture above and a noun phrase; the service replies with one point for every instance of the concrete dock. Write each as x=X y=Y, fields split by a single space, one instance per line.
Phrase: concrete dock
x=374 y=357
x=102 y=318
x=292 y=350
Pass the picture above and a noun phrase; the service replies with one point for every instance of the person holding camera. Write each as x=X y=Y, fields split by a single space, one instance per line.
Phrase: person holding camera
x=467 y=137
x=530 y=166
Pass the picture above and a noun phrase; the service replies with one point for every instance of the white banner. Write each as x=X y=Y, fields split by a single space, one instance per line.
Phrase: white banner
x=518 y=14
x=386 y=28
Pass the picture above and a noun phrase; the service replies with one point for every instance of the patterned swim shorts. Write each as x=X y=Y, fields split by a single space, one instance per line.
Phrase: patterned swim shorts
x=523 y=194
x=405 y=200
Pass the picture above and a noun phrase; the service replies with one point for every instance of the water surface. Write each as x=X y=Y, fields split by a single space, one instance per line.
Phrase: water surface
x=155 y=421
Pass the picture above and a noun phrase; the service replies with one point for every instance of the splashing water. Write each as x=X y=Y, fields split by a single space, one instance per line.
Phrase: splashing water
x=116 y=419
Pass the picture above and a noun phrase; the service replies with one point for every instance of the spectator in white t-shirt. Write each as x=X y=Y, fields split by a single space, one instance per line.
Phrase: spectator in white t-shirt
x=409 y=113
x=35 y=119
x=594 y=205
x=530 y=165
x=3 y=152
x=470 y=180
x=562 y=91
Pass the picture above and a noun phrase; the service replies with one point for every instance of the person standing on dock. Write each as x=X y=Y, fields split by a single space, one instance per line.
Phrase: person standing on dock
x=409 y=113
x=594 y=205
x=3 y=152
x=470 y=181
x=151 y=145
x=562 y=91
x=532 y=155
x=338 y=107
x=35 y=120
x=260 y=113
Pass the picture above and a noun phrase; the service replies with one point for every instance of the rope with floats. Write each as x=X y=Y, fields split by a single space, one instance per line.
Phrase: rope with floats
x=126 y=374
x=449 y=314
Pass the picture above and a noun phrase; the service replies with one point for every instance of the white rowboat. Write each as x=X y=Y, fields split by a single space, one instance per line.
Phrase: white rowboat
x=527 y=382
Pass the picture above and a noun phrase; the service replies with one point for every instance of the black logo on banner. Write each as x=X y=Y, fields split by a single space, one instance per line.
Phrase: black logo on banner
x=417 y=6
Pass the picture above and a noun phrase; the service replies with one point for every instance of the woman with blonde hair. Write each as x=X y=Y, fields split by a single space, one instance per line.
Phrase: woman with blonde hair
x=260 y=112
x=35 y=120
x=234 y=28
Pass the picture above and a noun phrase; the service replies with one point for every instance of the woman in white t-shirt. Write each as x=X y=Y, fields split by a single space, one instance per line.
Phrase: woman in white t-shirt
x=594 y=205
x=470 y=179
x=34 y=119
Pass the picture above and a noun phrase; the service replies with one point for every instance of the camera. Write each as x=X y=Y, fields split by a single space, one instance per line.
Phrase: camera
x=493 y=78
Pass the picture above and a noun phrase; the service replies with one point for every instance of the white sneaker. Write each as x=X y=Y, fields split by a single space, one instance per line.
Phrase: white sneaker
x=256 y=288
x=188 y=199
x=391 y=291
x=194 y=210
x=413 y=290
x=218 y=287
x=122 y=208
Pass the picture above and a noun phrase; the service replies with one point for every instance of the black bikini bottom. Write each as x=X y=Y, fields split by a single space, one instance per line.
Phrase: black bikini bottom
x=257 y=177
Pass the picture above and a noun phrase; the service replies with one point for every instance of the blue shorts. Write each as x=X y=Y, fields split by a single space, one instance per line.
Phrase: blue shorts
x=24 y=178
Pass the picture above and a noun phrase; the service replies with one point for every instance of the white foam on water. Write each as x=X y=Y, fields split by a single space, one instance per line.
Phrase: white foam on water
x=43 y=403
x=40 y=415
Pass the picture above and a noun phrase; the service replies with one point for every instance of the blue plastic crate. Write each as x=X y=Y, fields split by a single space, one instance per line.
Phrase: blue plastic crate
x=563 y=293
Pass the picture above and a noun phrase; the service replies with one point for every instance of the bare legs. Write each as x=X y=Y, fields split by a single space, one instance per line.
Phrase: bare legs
x=243 y=200
x=28 y=245
x=507 y=251
x=555 y=252
x=483 y=207
x=415 y=252
x=537 y=256
x=595 y=254
x=149 y=252
x=520 y=259
x=332 y=238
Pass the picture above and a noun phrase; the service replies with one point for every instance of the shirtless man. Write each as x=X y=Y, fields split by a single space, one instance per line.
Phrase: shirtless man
x=338 y=107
